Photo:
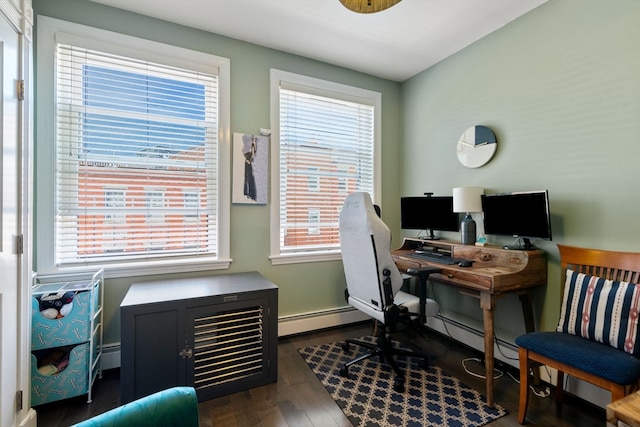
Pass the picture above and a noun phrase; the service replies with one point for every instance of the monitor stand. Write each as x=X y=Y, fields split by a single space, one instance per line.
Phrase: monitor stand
x=430 y=235
x=526 y=245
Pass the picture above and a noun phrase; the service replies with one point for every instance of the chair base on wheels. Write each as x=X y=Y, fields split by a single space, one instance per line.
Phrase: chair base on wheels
x=383 y=348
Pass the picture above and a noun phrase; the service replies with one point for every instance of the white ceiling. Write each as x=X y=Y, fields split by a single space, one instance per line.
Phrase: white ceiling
x=395 y=44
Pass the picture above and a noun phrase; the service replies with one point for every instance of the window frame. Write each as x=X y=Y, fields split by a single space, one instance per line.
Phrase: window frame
x=328 y=89
x=48 y=29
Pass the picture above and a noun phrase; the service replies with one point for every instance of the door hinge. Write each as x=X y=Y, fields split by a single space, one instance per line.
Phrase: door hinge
x=186 y=353
x=19 y=244
x=19 y=400
x=20 y=90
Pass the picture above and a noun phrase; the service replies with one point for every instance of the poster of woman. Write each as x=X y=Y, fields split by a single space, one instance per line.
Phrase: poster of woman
x=250 y=168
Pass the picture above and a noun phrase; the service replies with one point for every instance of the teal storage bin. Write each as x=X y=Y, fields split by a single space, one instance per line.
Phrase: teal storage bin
x=74 y=328
x=72 y=381
x=75 y=299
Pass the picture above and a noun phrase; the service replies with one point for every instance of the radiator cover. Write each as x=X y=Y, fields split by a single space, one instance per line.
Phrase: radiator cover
x=217 y=334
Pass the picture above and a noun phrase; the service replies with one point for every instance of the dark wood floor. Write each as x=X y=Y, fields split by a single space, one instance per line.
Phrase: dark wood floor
x=298 y=399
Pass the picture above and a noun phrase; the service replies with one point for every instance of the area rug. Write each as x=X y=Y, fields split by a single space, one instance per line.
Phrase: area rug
x=431 y=396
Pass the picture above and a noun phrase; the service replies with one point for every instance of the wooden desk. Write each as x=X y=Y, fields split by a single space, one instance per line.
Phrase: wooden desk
x=495 y=272
x=625 y=411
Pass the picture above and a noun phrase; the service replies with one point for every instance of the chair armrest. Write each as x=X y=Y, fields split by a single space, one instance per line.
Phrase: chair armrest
x=173 y=407
x=423 y=272
x=428 y=308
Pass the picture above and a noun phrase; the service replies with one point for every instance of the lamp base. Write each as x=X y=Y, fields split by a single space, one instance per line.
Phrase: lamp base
x=468 y=231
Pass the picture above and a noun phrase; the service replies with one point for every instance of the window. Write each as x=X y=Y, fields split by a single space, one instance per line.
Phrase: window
x=343 y=182
x=114 y=236
x=324 y=146
x=139 y=121
x=155 y=205
x=191 y=204
x=314 y=179
x=314 y=221
x=114 y=202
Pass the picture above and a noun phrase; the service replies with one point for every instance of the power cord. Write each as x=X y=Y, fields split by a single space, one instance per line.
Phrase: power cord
x=439 y=315
x=543 y=393
x=465 y=361
x=497 y=342
x=498 y=374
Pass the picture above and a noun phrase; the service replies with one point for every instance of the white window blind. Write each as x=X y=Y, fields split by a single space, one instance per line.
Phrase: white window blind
x=326 y=151
x=131 y=137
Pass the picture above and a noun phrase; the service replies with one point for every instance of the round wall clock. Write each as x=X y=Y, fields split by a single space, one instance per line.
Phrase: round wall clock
x=476 y=146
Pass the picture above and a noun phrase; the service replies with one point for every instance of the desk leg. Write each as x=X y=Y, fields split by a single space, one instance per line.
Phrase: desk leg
x=527 y=311
x=487 y=303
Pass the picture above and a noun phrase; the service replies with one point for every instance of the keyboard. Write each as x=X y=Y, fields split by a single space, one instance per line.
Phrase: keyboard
x=435 y=257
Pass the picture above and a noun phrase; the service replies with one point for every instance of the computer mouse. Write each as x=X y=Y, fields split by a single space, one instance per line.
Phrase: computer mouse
x=465 y=263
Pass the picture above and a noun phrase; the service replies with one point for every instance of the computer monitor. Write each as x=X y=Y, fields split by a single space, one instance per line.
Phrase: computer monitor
x=523 y=215
x=429 y=214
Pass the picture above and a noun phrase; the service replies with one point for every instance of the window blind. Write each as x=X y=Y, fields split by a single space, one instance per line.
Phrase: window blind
x=136 y=149
x=326 y=152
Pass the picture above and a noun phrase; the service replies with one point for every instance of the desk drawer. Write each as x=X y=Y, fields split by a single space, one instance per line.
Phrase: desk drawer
x=463 y=278
x=404 y=264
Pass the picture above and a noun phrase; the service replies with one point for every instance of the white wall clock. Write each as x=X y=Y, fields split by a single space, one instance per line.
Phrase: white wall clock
x=476 y=146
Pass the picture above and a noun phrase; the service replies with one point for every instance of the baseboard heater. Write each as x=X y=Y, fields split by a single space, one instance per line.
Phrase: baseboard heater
x=287 y=325
x=505 y=351
x=316 y=320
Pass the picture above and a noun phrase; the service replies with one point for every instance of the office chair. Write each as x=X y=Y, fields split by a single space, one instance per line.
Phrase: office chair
x=373 y=283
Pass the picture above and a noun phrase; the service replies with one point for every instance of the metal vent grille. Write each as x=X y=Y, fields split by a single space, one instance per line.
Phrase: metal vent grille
x=228 y=346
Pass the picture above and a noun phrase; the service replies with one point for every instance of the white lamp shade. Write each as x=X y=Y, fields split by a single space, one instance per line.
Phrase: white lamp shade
x=467 y=199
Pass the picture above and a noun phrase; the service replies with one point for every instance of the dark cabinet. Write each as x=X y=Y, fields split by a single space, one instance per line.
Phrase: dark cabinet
x=216 y=333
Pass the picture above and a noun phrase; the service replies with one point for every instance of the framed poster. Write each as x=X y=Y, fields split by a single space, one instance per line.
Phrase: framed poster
x=250 y=169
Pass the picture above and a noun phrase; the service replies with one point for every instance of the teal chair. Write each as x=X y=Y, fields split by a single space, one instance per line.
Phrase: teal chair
x=173 y=407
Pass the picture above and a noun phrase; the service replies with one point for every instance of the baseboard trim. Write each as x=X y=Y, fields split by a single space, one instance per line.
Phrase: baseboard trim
x=504 y=351
x=30 y=420
x=111 y=356
x=307 y=322
x=287 y=325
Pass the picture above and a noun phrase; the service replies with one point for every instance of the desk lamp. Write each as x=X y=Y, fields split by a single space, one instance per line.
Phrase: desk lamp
x=467 y=200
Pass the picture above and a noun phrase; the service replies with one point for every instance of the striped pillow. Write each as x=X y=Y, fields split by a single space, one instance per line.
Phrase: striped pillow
x=601 y=310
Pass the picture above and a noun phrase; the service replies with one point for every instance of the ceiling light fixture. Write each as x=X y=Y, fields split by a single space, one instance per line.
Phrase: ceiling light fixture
x=368 y=6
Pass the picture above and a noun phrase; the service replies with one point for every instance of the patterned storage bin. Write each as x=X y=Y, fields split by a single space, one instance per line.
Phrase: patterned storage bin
x=71 y=381
x=73 y=328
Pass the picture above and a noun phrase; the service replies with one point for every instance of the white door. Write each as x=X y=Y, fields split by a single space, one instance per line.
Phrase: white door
x=10 y=188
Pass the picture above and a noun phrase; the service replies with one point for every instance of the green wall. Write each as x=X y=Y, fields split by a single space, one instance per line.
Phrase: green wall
x=560 y=87
x=302 y=287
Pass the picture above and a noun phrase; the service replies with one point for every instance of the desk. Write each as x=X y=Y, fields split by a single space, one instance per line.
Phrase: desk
x=495 y=272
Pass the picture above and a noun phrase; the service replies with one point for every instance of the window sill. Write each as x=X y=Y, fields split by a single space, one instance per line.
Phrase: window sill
x=148 y=268
x=305 y=257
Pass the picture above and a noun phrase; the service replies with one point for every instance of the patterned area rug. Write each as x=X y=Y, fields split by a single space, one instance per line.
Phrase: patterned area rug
x=431 y=397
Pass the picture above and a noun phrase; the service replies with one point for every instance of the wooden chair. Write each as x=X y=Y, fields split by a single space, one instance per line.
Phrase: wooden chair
x=586 y=359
